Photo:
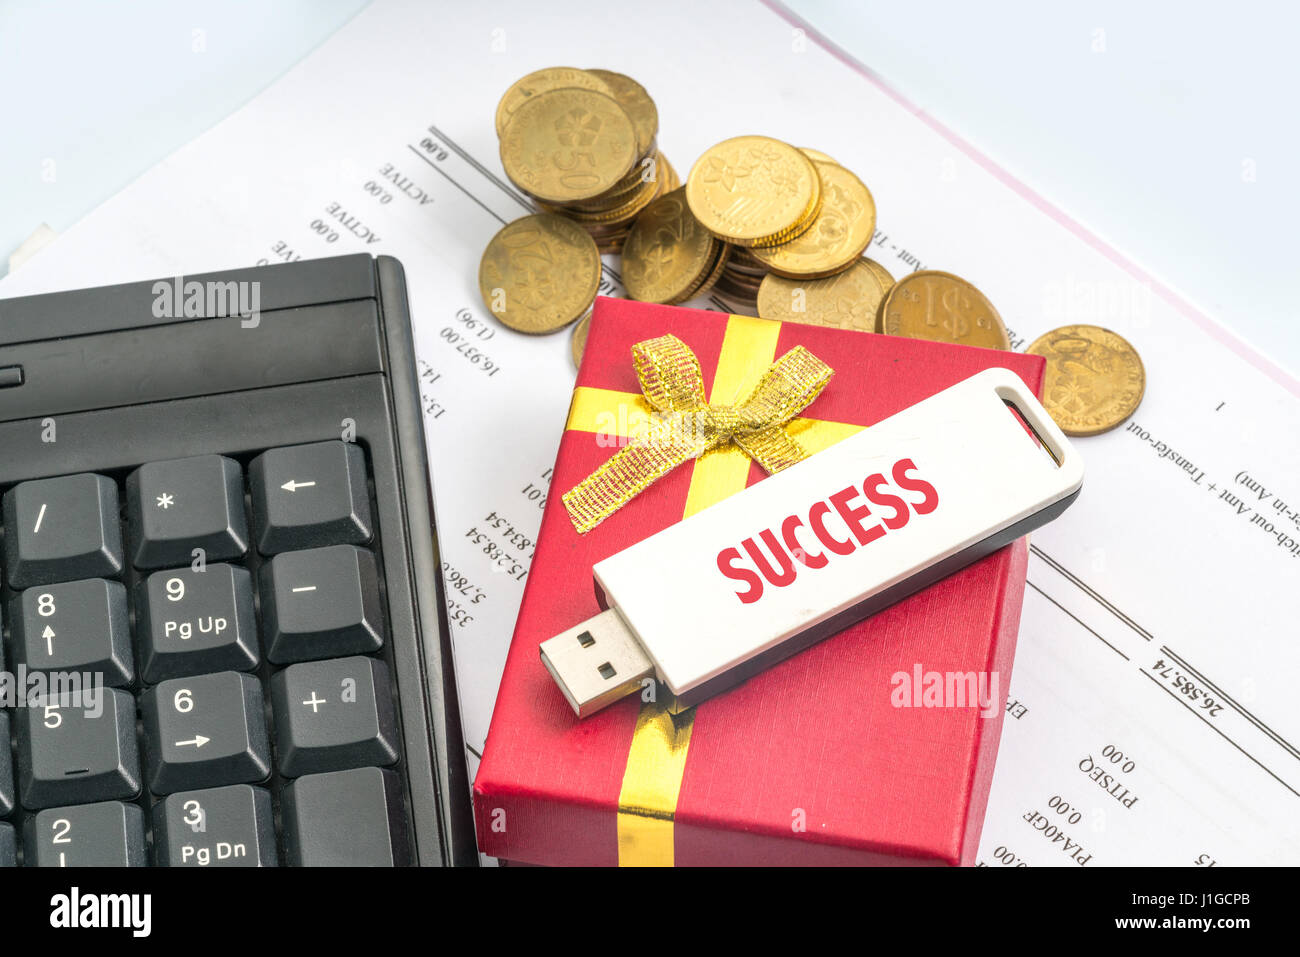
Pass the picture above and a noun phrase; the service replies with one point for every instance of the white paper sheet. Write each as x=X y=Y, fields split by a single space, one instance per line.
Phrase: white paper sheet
x=1159 y=633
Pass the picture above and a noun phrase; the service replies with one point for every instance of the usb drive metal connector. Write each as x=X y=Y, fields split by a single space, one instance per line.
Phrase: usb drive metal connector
x=804 y=554
x=597 y=662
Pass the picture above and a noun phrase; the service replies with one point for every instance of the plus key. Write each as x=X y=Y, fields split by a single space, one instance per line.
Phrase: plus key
x=332 y=715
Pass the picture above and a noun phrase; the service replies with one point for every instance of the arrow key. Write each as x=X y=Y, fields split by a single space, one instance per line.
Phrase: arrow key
x=222 y=827
x=74 y=626
x=305 y=496
x=204 y=732
x=87 y=835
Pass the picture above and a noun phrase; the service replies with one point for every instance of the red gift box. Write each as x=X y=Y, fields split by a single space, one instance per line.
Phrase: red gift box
x=830 y=757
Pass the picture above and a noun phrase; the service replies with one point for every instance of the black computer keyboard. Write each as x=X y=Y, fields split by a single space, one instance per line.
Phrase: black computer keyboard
x=224 y=625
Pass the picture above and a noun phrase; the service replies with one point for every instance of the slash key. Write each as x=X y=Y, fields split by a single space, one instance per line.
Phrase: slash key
x=63 y=528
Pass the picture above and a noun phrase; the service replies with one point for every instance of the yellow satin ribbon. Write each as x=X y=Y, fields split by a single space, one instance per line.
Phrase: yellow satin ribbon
x=647 y=800
x=684 y=425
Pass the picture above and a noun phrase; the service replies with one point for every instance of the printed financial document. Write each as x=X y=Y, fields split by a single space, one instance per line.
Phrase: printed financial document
x=1151 y=715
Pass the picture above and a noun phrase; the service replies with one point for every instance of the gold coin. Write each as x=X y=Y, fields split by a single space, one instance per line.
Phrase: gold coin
x=636 y=102
x=847 y=300
x=842 y=230
x=817 y=156
x=567 y=145
x=1094 y=378
x=551 y=78
x=539 y=273
x=753 y=190
x=667 y=253
x=881 y=272
x=944 y=308
x=578 y=341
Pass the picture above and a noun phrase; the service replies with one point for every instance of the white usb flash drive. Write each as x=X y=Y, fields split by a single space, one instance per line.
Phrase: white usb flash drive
x=710 y=601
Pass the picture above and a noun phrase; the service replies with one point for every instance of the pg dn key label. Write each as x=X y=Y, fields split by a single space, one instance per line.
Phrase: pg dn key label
x=223 y=827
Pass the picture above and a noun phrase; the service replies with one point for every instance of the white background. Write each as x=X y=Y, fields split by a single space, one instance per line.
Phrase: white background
x=1142 y=121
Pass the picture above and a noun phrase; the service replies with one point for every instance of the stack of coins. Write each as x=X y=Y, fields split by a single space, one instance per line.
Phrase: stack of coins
x=779 y=228
x=742 y=276
x=789 y=213
x=582 y=144
x=754 y=191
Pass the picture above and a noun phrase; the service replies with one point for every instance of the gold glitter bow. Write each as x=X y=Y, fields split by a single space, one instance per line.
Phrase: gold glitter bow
x=685 y=426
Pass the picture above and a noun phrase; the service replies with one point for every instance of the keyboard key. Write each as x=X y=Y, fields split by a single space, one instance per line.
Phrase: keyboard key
x=223 y=827
x=205 y=731
x=331 y=715
x=191 y=623
x=320 y=603
x=306 y=496
x=61 y=529
x=345 y=819
x=89 y=835
x=6 y=769
x=8 y=847
x=75 y=749
x=74 y=626
x=177 y=506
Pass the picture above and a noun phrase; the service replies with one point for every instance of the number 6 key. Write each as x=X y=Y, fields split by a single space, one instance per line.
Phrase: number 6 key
x=205 y=731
